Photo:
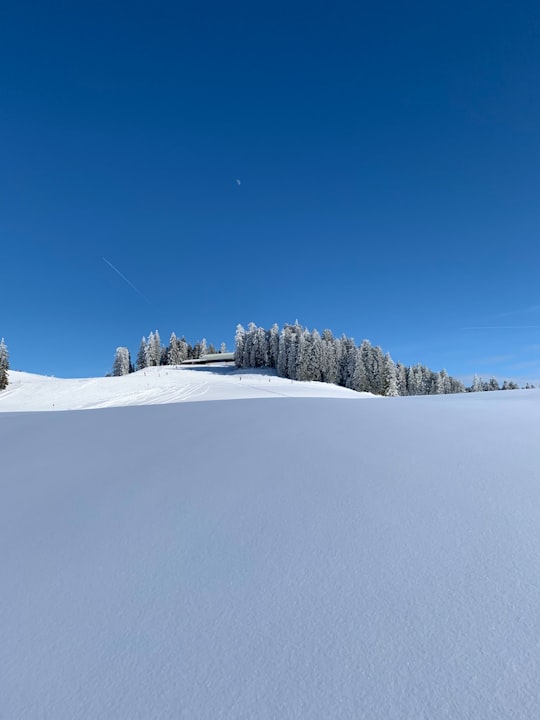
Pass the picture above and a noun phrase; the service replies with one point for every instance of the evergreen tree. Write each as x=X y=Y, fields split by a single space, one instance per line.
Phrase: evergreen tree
x=142 y=355
x=390 y=386
x=422 y=380
x=377 y=370
x=370 y=367
x=259 y=349
x=401 y=377
x=239 y=346
x=4 y=365
x=152 y=358
x=164 y=359
x=477 y=385
x=301 y=365
x=291 y=356
x=329 y=358
x=456 y=386
x=183 y=349
x=314 y=356
x=415 y=380
x=347 y=362
x=249 y=356
x=155 y=349
x=411 y=381
x=273 y=346
x=150 y=351
x=362 y=381
x=283 y=351
x=445 y=382
x=122 y=362
x=196 y=351
x=173 y=351
x=359 y=380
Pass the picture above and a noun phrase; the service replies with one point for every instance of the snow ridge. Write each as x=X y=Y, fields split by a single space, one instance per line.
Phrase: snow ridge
x=156 y=385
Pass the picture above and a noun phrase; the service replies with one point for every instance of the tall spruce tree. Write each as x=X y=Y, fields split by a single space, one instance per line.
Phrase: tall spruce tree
x=445 y=382
x=367 y=384
x=291 y=356
x=390 y=385
x=401 y=376
x=259 y=349
x=477 y=385
x=142 y=355
x=239 y=346
x=347 y=364
x=301 y=366
x=183 y=349
x=273 y=346
x=361 y=380
x=153 y=350
x=174 y=356
x=122 y=362
x=283 y=351
x=315 y=356
x=249 y=356
x=329 y=358
x=4 y=365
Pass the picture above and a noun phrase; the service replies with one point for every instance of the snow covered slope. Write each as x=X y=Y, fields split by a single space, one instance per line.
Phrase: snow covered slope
x=286 y=558
x=155 y=386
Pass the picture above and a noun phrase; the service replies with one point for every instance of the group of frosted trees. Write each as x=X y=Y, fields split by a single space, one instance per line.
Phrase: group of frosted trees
x=4 y=365
x=300 y=354
x=479 y=385
x=152 y=353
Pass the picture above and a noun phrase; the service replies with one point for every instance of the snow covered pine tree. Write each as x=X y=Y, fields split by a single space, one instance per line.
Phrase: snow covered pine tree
x=122 y=362
x=4 y=365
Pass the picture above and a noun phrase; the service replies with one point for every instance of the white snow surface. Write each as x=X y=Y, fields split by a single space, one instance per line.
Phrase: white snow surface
x=156 y=386
x=282 y=558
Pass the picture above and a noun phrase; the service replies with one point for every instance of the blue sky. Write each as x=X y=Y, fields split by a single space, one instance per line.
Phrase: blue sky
x=388 y=158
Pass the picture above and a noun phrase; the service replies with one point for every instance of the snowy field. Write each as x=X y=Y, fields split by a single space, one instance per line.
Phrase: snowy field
x=282 y=558
x=156 y=386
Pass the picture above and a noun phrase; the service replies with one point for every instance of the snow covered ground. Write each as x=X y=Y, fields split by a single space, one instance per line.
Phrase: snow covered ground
x=282 y=558
x=156 y=386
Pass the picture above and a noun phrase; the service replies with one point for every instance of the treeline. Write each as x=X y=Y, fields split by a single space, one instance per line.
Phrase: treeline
x=479 y=385
x=300 y=354
x=153 y=353
x=4 y=365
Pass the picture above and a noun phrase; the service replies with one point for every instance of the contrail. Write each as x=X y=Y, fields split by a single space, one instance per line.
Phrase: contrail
x=131 y=285
x=501 y=327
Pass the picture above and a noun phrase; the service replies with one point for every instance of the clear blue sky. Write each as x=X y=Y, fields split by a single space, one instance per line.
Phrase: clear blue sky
x=389 y=160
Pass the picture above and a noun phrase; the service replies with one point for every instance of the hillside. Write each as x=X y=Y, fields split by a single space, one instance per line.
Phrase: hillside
x=156 y=386
x=281 y=558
